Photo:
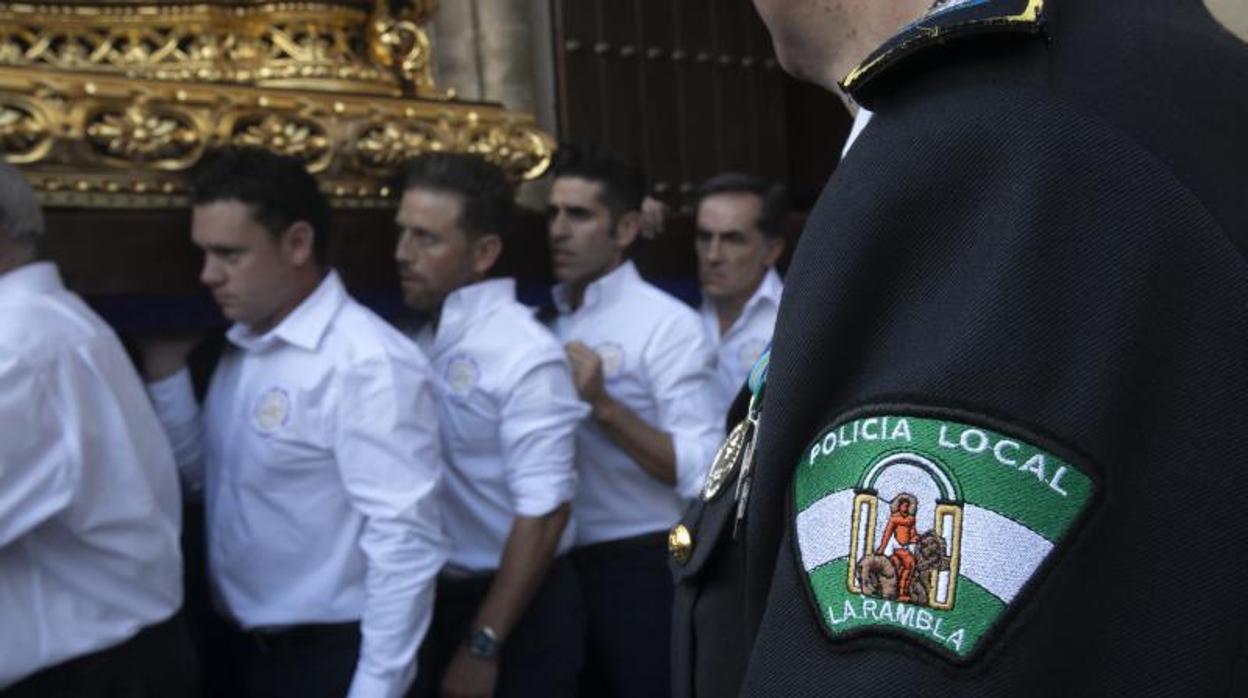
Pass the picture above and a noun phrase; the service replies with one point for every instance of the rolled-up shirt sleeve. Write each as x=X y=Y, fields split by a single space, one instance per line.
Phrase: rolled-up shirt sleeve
x=680 y=366
x=173 y=399
x=389 y=458
x=539 y=420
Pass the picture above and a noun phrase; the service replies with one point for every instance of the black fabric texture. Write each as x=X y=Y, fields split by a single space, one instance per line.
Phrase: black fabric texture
x=157 y=662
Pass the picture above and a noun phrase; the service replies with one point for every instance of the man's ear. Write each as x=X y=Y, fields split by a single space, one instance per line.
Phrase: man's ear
x=775 y=248
x=627 y=229
x=485 y=253
x=298 y=243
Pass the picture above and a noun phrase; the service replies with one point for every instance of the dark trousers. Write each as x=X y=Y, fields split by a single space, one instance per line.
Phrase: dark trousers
x=307 y=661
x=158 y=662
x=628 y=596
x=540 y=658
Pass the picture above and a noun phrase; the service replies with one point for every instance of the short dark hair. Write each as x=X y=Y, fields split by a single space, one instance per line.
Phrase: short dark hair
x=775 y=199
x=488 y=196
x=623 y=185
x=278 y=188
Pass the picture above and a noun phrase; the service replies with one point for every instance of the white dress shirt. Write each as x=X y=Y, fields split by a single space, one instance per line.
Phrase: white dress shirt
x=658 y=362
x=508 y=410
x=861 y=120
x=318 y=458
x=739 y=348
x=89 y=505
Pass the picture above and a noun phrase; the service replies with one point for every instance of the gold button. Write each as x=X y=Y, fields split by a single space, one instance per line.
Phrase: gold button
x=680 y=544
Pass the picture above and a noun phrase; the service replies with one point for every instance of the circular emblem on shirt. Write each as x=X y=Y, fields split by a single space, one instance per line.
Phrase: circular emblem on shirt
x=612 y=356
x=750 y=350
x=462 y=374
x=272 y=410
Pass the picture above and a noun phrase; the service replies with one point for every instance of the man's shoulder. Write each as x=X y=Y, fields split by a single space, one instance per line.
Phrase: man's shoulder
x=512 y=340
x=651 y=305
x=1003 y=147
x=361 y=336
x=512 y=323
x=42 y=326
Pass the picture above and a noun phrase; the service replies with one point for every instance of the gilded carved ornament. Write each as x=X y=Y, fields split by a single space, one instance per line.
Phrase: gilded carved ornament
x=108 y=104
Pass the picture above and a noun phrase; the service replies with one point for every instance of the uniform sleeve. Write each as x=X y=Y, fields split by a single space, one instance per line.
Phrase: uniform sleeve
x=679 y=363
x=390 y=461
x=539 y=420
x=38 y=459
x=174 y=401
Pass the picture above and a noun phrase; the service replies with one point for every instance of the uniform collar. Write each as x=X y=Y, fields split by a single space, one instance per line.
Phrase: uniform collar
x=610 y=286
x=768 y=292
x=946 y=21
x=305 y=325
x=468 y=305
x=33 y=278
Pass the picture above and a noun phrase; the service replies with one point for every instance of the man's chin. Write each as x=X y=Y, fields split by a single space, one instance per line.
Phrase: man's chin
x=419 y=303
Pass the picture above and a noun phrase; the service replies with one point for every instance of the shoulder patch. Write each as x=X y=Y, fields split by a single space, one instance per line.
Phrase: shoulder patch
x=927 y=529
x=945 y=21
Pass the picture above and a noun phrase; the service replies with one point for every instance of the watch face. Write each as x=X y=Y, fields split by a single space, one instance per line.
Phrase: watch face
x=482 y=643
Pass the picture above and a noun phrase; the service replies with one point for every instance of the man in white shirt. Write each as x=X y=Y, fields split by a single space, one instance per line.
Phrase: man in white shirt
x=316 y=450
x=645 y=366
x=90 y=512
x=507 y=618
x=739 y=237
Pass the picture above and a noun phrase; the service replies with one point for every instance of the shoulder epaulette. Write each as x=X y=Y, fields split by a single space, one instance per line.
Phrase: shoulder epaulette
x=945 y=21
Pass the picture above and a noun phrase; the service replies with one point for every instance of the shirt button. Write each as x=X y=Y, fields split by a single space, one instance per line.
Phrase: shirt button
x=680 y=544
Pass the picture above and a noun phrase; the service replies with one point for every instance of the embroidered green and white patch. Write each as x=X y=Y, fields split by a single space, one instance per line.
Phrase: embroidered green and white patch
x=927 y=528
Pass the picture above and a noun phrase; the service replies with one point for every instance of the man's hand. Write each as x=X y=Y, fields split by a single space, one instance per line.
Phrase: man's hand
x=587 y=373
x=469 y=676
x=165 y=355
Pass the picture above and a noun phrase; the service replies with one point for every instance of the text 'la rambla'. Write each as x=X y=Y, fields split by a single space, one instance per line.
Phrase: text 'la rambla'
x=974 y=441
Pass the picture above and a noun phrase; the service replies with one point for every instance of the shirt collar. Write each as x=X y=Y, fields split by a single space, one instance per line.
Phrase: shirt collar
x=305 y=325
x=33 y=278
x=768 y=292
x=468 y=305
x=610 y=286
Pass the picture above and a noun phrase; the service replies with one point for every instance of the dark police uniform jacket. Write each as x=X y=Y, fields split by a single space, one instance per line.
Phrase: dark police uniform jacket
x=1016 y=330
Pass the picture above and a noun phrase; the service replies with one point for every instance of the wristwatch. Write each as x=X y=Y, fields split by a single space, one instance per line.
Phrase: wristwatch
x=483 y=643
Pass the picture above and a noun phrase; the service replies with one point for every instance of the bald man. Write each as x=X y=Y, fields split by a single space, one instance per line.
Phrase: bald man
x=1022 y=300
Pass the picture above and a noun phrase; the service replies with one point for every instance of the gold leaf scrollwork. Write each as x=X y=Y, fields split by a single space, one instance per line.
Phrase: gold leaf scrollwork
x=24 y=135
x=138 y=134
x=299 y=137
x=400 y=45
x=382 y=147
x=519 y=149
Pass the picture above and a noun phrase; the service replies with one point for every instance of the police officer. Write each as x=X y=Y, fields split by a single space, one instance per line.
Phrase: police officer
x=643 y=364
x=316 y=450
x=739 y=237
x=508 y=619
x=1014 y=332
x=90 y=571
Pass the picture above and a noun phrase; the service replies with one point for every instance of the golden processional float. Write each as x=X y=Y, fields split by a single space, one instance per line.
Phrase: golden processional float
x=106 y=105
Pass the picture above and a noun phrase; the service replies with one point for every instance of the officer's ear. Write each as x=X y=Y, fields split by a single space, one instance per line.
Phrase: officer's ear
x=775 y=248
x=627 y=229
x=486 y=250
